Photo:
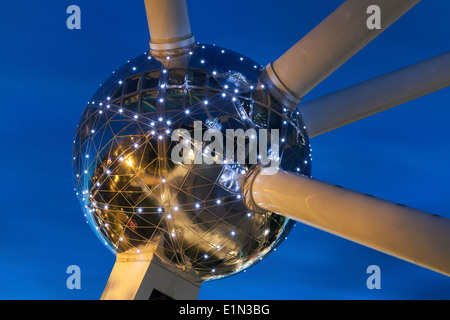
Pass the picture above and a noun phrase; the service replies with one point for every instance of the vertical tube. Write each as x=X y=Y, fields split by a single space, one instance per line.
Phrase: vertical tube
x=169 y=26
x=140 y=277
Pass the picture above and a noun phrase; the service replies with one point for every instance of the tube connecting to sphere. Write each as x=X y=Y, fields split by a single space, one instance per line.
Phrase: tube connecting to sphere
x=406 y=233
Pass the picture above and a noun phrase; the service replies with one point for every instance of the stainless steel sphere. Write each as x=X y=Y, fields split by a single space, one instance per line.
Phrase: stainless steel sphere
x=192 y=217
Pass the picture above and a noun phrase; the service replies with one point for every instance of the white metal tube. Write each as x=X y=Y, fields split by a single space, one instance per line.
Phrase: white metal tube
x=406 y=233
x=359 y=101
x=169 y=26
x=335 y=40
x=135 y=276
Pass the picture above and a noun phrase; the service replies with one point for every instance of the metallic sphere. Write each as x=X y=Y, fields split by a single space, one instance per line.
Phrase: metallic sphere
x=194 y=217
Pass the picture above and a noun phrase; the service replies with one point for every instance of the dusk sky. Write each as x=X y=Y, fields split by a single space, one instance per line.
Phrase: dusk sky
x=50 y=72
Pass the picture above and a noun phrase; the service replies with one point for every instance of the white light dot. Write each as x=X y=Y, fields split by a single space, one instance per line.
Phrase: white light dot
x=218 y=201
x=168 y=122
x=233 y=233
x=205 y=102
x=173 y=234
x=249 y=214
x=175 y=208
x=153 y=132
x=159 y=209
x=164 y=71
x=160 y=119
x=241 y=58
x=161 y=100
x=205 y=256
x=224 y=94
x=136 y=146
x=87 y=156
x=202 y=61
x=214 y=73
x=139 y=210
x=120 y=110
x=167 y=131
x=136 y=116
x=197 y=205
x=160 y=137
x=169 y=216
x=108 y=171
x=223 y=51
x=120 y=158
x=120 y=82
x=163 y=180
x=187 y=111
x=225 y=86
x=120 y=239
x=134 y=68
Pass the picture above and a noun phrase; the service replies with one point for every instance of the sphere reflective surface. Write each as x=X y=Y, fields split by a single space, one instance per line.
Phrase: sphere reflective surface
x=191 y=216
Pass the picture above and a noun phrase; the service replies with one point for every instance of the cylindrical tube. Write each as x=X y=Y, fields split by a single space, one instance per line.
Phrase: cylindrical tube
x=335 y=40
x=413 y=235
x=359 y=101
x=169 y=26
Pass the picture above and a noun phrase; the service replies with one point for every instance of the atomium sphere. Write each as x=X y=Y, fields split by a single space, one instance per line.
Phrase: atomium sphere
x=194 y=217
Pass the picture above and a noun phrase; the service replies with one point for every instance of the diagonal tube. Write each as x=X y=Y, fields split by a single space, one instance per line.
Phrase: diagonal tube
x=169 y=26
x=140 y=277
x=409 y=234
x=359 y=101
x=329 y=45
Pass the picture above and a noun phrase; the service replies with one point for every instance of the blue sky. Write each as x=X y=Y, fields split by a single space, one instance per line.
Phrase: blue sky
x=50 y=72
